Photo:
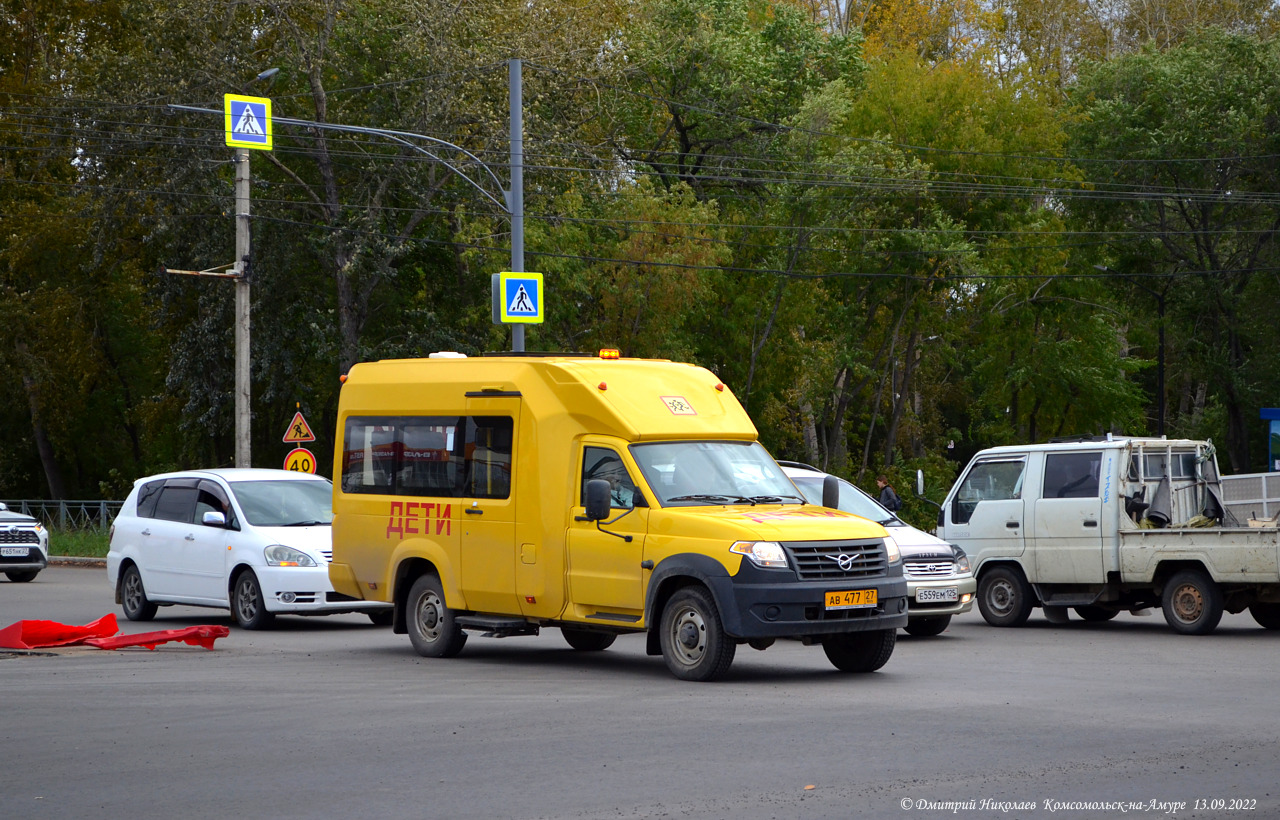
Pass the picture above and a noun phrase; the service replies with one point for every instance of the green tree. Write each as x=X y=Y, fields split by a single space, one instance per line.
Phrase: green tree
x=1187 y=154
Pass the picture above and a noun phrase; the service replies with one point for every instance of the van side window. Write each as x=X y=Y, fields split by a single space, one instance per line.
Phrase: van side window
x=603 y=463
x=489 y=457
x=176 y=504
x=431 y=456
x=988 y=480
x=1071 y=475
x=368 y=462
x=148 y=495
x=213 y=499
x=427 y=465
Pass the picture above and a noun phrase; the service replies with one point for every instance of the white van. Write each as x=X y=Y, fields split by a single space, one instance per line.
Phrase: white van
x=257 y=542
x=939 y=583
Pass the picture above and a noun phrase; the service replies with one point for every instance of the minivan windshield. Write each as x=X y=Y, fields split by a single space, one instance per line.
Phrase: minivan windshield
x=285 y=503
x=852 y=499
x=706 y=473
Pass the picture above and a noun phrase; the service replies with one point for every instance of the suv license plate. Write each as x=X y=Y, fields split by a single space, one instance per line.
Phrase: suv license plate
x=931 y=596
x=851 y=599
x=14 y=552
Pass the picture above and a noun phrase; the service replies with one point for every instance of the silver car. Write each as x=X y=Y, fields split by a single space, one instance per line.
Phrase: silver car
x=24 y=546
x=939 y=582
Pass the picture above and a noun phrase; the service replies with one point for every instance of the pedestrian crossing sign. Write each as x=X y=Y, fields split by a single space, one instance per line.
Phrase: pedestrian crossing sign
x=518 y=298
x=248 y=121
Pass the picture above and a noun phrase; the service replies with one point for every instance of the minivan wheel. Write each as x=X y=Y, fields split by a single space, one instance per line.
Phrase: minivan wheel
x=248 y=607
x=584 y=640
x=433 y=631
x=694 y=643
x=1004 y=599
x=927 y=627
x=860 y=651
x=133 y=598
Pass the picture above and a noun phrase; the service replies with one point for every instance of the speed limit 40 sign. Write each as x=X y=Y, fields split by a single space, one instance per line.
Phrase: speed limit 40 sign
x=300 y=461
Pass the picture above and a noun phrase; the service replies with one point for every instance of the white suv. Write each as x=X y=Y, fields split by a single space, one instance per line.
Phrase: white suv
x=258 y=542
x=24 y=546
x=939 y=581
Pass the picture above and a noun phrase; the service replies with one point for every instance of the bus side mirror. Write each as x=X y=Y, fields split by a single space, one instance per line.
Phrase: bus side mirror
x=597 y=500
x=919 y=482
x=831 y=492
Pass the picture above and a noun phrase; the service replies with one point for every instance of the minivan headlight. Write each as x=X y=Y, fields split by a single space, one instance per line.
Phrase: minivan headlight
x=762 y=553
x=891 y=551
x=278 y=555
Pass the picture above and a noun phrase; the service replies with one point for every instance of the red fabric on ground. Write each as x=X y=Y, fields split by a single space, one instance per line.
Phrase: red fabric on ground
x=192 y=635
x=39 y=634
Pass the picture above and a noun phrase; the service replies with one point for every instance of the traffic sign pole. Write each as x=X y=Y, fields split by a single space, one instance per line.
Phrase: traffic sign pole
x=243 y=455
x=517 y=185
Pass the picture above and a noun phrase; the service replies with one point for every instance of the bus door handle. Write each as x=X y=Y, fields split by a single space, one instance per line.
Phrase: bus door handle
x=1013 y=525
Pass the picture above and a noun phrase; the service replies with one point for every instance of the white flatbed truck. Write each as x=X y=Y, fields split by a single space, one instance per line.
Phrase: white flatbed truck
x=1110 y=525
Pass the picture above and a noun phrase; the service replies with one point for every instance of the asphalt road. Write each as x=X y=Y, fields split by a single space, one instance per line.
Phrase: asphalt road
x=333 y=717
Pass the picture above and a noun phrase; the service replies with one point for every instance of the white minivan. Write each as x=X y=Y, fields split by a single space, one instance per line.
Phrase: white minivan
x=939 y=582
x=255 y=541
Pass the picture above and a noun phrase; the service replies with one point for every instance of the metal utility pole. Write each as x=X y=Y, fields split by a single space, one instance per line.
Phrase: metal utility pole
x=516 y=204
x=242 y=268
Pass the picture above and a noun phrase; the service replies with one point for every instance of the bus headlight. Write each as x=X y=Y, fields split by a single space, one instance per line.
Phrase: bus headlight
x=767 y=554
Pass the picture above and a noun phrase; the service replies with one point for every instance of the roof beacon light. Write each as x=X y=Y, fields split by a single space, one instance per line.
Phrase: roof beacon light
x=603 y=386
x=610 y=353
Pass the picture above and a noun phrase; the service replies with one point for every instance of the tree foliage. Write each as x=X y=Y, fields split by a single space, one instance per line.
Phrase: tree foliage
x=900 y=230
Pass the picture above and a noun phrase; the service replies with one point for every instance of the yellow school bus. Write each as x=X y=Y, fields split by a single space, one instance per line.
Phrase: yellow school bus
x=601 y=496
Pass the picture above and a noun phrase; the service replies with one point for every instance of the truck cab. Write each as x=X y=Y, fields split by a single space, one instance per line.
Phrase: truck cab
x=601 y=496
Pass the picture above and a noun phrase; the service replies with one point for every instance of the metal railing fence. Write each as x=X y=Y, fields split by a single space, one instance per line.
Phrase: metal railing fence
x=68 y=515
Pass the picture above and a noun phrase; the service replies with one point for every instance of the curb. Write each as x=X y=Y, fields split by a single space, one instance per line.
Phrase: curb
x=76 y=561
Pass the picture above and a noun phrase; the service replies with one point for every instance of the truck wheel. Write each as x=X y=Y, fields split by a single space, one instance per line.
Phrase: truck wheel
x=694 y=643
x=133 y=597
x=926 y=627
x=584 y=640
x=1094 y=614
x=432 y=629
x=860 y=651
x=1004 y=599
x=1192 y=603
x=1267 y=615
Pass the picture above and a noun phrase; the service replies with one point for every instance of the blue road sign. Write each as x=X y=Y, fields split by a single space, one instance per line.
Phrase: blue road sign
x=248 y=121
x=519 y=298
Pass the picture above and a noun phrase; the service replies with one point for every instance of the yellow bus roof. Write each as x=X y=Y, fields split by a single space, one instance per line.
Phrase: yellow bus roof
x=634 y=399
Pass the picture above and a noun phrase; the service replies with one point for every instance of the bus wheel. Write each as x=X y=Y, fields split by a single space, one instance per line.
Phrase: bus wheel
x=694 y=643
x=432 y=628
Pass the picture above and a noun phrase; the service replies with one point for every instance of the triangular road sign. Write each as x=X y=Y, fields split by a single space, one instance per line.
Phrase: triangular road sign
x=298 y=430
